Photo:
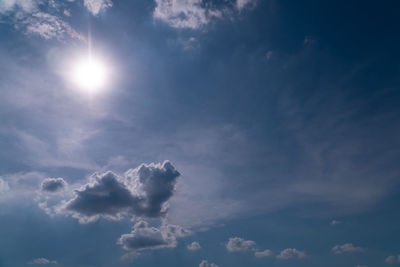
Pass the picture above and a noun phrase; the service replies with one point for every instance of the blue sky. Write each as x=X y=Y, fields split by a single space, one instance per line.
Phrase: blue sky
x=226 y=133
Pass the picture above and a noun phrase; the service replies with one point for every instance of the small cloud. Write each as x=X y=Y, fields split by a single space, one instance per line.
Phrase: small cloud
x=42 y=261
x=361 y=266
x=392 y=259
x=52 y=185
x=269 y=55
x=291 y=253
x=334 y=222
x=194 y=246
x=241 y=4
x=346 y=248
x=236 y=244
x=144 y=237
x=3 y=186
x=309 y=40
x=97 y=6
x=205 y=263
x=262 y=254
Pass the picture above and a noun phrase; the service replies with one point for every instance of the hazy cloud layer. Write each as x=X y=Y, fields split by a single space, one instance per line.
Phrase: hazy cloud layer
x=143 y=191
x=236 y=244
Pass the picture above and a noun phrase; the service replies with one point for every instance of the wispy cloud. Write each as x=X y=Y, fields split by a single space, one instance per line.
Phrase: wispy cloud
x=97 y=6
x=346 y=248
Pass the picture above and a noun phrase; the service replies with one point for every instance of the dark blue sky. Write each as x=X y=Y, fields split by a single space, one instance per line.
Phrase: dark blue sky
x=227 y=133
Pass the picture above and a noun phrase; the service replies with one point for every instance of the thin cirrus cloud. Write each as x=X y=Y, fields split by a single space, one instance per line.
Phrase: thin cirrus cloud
x=346 y=248
x=236 y=244
x=194 y=14
x=42 y=261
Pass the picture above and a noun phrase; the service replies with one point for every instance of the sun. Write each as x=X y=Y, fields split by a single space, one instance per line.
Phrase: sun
x=89 y=74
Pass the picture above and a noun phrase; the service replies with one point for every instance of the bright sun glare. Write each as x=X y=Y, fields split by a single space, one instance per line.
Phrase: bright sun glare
x=89 y=74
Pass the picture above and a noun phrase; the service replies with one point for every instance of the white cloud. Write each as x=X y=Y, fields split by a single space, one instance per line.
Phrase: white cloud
x=236 y=244
x=205 y=263
x=241 y=4
x=335 y=222
x=262 y=254
x=194 y=246
x=346 y=248
x=97 y=6
x=291 y=253
x=42 y=261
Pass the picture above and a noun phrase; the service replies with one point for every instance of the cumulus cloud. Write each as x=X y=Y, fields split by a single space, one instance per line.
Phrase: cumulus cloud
x=52 y=185
x=291 y=253
x=42 y=261
x=262 y=254
x=205 y=263
x=143 y=191
x=346 y=248
x=194 y=246
x=97 y=6
x=143 y=237
x=236 y=244
x=393 y=259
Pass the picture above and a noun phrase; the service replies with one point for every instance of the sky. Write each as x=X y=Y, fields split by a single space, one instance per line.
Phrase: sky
x=209 y=133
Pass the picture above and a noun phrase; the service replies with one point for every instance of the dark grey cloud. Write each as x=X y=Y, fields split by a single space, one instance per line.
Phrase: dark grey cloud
x=52 y=185
x=236 y=244
x=143 y=191
x=144 y=237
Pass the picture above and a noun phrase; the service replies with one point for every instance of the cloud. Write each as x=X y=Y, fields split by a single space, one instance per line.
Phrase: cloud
x=194 y=246
x=236 y=244
x=393 y=259
x=334 y=222
x=346 y=248
x=241 y=4
x=3 y=186
x=42 y=261
x=262 y=254
x=144 y=237
x=97 y=6
x=291 y=253
x=205 y=263
x=361 y=266
x=143 y=191
x=27 y=15
x=53 y=185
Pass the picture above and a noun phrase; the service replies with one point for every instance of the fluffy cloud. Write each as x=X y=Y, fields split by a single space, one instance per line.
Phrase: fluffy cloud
x=393 y=259
x=143 y=191
x=346 y=248
x=262 y=254
x=205 y=263
x=144 y=237
x=291 y=253
x=194 y=246
x=53 y=185
x=238 y=244
x=97 y=6
x=42 y=261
